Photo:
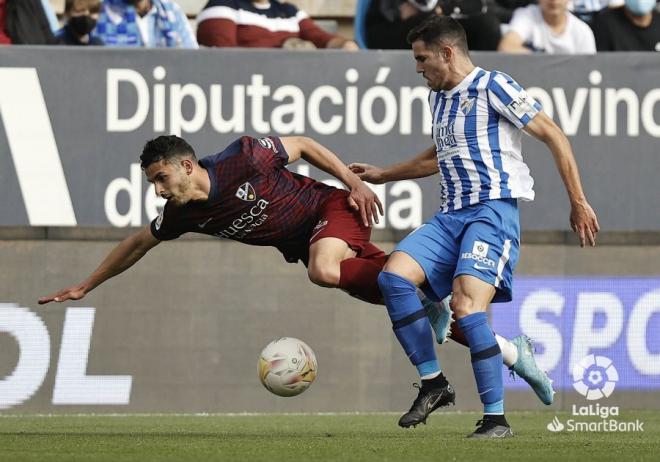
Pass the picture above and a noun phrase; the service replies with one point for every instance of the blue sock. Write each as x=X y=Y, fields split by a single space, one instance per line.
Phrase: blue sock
x=409 y=322
x=486 y=361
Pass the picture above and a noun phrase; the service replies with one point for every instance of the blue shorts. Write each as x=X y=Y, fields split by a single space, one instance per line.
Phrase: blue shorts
x=482 y=240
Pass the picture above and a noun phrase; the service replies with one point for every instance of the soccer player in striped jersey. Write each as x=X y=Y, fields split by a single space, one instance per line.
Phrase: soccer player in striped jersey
x=470 y=247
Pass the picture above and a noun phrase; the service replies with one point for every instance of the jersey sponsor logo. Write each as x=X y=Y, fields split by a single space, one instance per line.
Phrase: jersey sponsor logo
x=268 y=144
x=445 y=140
x=247 y=222
x=245 y=192
x=522 y=105
x=467 y=105
x=480 y=255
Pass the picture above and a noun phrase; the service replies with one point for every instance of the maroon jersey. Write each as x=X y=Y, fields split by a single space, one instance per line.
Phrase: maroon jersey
x=253 y=199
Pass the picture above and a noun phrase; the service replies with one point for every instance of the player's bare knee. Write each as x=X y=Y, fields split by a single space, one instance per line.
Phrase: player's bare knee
x=324 y=275
x=462 y=305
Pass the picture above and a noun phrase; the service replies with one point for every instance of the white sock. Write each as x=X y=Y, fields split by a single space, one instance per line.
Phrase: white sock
x=430 y=376
x=509 y=351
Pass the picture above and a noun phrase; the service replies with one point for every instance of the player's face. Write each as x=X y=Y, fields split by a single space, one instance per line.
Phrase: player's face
x=171 y=180
x=432 y=64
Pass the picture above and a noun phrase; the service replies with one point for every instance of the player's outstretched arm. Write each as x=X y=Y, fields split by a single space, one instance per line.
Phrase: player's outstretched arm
x=122 y=257
x=583 y=218
x=423 y=165
x=362 y=199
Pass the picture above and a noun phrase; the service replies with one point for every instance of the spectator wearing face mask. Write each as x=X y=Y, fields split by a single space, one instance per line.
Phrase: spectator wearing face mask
x=633 y=27
x=144 y=23
x=80 y=17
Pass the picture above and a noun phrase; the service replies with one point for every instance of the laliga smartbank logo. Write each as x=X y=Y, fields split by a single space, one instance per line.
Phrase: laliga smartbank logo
x=595 y=377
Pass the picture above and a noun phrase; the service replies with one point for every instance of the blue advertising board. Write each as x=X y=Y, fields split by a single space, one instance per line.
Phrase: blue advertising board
x=573 y=318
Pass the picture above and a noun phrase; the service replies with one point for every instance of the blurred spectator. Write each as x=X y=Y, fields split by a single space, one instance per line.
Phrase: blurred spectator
x=504 y=9
x=50 y=16
x=549 y=28
x=633 y=27
x=81 y=17
x=149 y=23
x=389 y=21
x=26 y=23
x=262 y=24
x=4 y=38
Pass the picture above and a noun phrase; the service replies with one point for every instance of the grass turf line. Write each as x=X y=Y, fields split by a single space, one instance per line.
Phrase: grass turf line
x=312 y=438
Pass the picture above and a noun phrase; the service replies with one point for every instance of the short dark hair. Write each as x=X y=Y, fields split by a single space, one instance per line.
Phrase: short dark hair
x=437 y=30
x=94 y=6
x=165 y=147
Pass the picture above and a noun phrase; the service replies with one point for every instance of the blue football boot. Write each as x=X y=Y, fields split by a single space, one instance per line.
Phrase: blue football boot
x=529 y=371
x=440 y=317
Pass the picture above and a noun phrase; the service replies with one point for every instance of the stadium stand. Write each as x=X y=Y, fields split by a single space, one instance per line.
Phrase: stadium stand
x=263 y=24
x=335 y=17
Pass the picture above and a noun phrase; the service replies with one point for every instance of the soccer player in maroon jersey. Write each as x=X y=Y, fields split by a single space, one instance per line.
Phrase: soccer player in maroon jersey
x=245 y=193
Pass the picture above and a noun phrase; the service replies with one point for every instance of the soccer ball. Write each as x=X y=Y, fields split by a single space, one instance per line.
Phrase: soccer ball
x=287 y=366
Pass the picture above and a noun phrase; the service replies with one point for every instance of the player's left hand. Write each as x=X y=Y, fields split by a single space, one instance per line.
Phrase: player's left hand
x=584 y=222
x=365 y=201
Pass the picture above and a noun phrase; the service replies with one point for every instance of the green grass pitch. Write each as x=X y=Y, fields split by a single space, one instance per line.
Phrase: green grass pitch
x=311 y=437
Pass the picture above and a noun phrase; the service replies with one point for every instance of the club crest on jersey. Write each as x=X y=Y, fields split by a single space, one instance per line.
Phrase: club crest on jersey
x=245 y=192
x=467 y=105
x=268 y=144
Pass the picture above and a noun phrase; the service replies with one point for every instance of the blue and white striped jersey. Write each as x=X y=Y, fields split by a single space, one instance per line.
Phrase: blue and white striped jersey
x=476 y=130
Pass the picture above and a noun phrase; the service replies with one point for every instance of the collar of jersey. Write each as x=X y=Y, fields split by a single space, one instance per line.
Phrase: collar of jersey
x=214 y=183
x=463 y=84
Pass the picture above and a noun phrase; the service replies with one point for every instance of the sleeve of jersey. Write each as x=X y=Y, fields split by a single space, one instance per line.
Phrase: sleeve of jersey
x=511 y=100
x=312 y=32
x=268 y=153
x=163 y=227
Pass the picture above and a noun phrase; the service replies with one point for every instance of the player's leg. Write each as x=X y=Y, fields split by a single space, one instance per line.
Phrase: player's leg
x=470 y=300
x=406 y=269
x=340 y=254
x=325 y=257
x=484 y=272
x=333 y=262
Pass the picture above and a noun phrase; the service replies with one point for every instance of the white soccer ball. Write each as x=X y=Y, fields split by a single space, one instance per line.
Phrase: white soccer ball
x=287 y=366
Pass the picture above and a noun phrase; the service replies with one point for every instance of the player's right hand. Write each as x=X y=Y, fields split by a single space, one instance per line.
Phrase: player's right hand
x=367 y=172
x=584 y=222
x=366 y=202
x=70 y=293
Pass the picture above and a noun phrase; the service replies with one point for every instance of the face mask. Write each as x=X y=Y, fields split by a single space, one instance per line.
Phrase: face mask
x=82 y=25
x=640 y=7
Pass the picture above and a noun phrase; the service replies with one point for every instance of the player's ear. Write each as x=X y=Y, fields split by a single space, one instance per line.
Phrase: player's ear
x=187 y=165
x=446 y=53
